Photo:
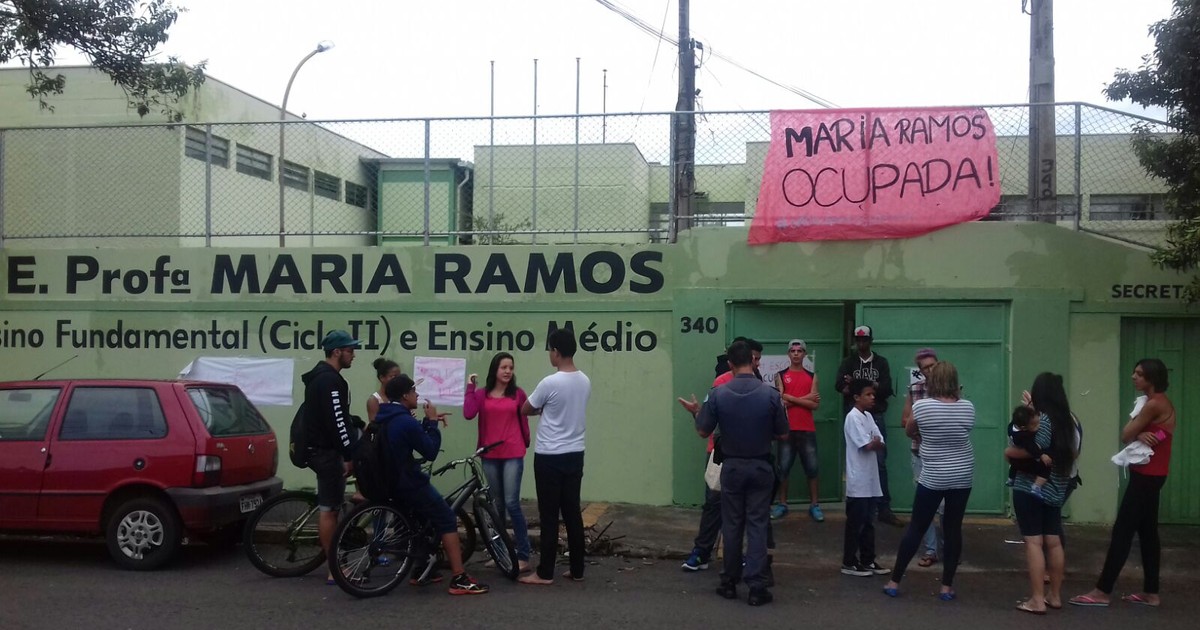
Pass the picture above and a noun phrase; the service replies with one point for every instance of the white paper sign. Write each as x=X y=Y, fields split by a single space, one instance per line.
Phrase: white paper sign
x=264 y=381
x=441 y=380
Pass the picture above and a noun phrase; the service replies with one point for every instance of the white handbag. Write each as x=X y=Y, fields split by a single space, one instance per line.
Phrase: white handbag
x=712 y=475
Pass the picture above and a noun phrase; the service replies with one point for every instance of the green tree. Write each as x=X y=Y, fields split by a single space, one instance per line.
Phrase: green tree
x=119 y=37
x=1170 y=78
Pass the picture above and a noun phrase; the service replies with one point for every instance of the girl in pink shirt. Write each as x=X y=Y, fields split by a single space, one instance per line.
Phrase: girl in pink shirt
x=498 y=405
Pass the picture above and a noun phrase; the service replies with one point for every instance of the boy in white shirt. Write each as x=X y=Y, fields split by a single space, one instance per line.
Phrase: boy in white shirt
x=862 y=483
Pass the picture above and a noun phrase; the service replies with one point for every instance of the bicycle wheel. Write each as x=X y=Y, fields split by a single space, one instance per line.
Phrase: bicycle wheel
x=374 y=548
x=496 y=540
x=282 y=538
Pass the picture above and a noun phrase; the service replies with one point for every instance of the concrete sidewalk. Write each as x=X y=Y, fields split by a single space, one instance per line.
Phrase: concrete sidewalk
x=989 y=543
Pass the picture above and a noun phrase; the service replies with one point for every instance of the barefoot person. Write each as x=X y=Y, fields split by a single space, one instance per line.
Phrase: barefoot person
x=498 y=405
x=1154 y=426
x=561 y=399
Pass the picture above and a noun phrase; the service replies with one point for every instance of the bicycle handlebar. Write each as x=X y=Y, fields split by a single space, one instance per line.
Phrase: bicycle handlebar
x=451 y=465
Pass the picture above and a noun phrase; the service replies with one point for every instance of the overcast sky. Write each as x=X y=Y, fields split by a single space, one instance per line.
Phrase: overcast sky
x=410 y=59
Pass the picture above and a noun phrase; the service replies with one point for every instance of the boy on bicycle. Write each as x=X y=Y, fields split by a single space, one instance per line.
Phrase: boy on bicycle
x=406 y=436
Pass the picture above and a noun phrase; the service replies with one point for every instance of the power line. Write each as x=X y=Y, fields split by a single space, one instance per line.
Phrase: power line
x=662 y=36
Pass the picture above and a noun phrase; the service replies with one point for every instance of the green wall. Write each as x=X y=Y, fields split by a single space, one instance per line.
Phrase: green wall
x=1058 y=311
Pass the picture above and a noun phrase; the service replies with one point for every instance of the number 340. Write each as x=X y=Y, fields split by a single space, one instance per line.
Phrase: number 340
x=702 y=325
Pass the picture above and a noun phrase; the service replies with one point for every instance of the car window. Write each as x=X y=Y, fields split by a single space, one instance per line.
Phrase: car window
x=226 y=411
x=113 y=413
x=25 y=413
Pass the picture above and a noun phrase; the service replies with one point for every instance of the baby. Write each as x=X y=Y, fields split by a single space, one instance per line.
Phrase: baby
x=1023 y=433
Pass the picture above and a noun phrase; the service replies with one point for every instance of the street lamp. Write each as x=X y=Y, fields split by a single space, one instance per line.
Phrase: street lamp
x=321 y=47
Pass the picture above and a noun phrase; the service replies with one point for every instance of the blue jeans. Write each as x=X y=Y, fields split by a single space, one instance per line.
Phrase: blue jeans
x=504 y=477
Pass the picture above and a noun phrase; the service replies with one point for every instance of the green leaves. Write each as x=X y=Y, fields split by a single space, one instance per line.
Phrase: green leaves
x=1170 y=78
x=119 y=37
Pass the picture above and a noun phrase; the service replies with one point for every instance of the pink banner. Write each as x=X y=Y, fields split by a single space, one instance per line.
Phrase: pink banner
x=854 y=174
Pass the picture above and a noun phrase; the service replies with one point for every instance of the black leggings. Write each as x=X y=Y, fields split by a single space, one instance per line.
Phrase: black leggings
x=925 y=506
x=1138 y=515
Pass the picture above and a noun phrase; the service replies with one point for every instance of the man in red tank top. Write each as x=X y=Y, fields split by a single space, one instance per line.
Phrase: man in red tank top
x=798 y=387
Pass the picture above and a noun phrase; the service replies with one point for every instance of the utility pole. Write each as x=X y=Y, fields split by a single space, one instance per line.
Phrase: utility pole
x=1043 y=158
x=683 y=132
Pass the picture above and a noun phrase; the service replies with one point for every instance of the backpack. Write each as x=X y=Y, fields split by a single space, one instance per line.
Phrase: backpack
x=298 y=442
x=372 y=466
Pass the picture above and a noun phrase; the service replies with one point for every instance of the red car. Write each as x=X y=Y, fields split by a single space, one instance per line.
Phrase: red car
x=145 y=463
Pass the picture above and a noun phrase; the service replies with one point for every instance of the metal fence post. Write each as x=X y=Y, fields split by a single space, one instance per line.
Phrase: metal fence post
x=575 y=229
x=427 y=175
x=208 y=183
x=1078 y=164
x=2 y=189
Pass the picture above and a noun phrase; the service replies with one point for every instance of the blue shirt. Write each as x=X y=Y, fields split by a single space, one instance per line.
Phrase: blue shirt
x=749 y=413
x=408 y=438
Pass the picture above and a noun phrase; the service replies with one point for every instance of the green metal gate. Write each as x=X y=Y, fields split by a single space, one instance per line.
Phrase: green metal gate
x=821 y=327
x=972 y=336
x=1169 y=340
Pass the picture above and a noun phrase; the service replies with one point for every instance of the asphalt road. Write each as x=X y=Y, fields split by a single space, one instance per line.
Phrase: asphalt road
x=74 y=585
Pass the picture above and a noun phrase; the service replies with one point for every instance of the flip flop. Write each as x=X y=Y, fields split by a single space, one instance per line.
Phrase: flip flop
x=891 y=592
x=927 y=561
x=1139 y=599
x=1053 y=607
x=1084 y=600
x=1024 y=607
x=567 y=574
x=948 y=596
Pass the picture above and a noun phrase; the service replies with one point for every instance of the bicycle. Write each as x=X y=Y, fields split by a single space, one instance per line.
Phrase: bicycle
x=281 y=537
x=378 y=544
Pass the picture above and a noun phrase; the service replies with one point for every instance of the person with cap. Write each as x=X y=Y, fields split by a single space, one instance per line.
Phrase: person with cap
x=869 y=366
x=407 y=439
x=332 y=433
x=797 y=385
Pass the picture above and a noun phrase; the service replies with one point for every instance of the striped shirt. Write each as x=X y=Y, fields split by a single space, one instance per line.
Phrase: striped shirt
x=947 y=457
x=1055 y=490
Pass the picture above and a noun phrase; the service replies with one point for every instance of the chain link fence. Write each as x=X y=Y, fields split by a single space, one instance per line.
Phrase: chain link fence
x=550 y=179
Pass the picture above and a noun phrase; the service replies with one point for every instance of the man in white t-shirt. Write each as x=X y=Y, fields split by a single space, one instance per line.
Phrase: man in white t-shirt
x=561 y=399
x=863 y=490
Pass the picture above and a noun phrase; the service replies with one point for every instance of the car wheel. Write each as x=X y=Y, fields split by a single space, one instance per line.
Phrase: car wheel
x=143 y=534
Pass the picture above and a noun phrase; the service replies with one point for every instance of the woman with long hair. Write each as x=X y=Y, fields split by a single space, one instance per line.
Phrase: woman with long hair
x=1039 y=510
x=498 y=405
x=1153 y=425
x=385 y=370
x=943 y=423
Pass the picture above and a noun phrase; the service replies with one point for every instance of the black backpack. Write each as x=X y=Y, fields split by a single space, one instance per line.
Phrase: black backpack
x=372 y=466
x=298 y=442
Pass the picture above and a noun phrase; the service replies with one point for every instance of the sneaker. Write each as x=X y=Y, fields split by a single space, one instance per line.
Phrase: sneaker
x=695 y=562
x=463 y=584
x=434 y=578
x=855 y=570
x=759 y=596
x=876 y=569
x=815 y=512
x=778 y=511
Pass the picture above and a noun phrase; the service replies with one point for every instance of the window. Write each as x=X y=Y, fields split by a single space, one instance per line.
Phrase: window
x=113 y=413
x=326 y=185
x=226 y=411
x=295 y=176
x=356 y=195
x=193 y=147
x=252 y=162
x=1127 y=208
x=25 y=413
